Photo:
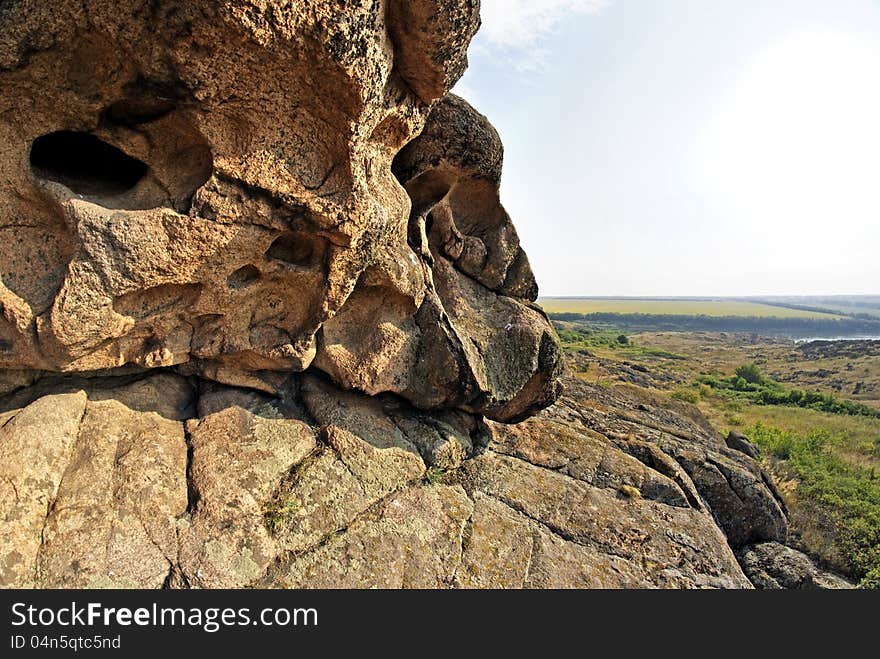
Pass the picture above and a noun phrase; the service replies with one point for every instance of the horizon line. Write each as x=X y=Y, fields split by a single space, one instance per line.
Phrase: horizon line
x=705 y=297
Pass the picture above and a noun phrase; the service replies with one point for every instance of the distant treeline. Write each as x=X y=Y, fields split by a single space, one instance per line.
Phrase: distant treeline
x=759 y=324
x=829 y=310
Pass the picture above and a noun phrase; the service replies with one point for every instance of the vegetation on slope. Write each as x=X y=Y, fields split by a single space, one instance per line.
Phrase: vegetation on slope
x=841 y=496
x=823 y=448
x=582 y=338
x=749 y=382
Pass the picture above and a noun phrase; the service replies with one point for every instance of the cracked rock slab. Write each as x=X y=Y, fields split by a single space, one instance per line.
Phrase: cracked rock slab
x=411 y=540
x=113 y=520
x=611 y=525
x=771 y=565
x=678 y=441
x=35 y=448
x=238 y=460
x=506 y=549
x=99 y=476
x=343 y=480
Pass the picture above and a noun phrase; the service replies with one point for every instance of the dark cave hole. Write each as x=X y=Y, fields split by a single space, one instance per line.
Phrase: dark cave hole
x=85 y=164
x=243 y=276
x=294 y=248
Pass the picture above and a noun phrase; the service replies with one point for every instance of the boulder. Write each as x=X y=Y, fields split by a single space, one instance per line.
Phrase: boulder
x=739 y=442
x=771 y=565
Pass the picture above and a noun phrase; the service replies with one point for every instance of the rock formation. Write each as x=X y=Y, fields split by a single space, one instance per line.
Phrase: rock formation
x=264 y=322
x=220 y=198
x=772 y=565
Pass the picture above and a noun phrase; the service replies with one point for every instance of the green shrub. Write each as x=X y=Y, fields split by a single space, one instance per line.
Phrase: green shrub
x=847 y=496
x=734 y=420
x=767 y=392
x=871 y=580
x=686 y=394
x=774 y=441
x=435 y=475
x=713 y=382
x=750 y=373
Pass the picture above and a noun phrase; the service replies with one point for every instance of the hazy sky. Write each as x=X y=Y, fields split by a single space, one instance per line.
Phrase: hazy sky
x=687 y=147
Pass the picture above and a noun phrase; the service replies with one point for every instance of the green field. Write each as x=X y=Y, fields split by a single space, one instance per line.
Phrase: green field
x=683 y=307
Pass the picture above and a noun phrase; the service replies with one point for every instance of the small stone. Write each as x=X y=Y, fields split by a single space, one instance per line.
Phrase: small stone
x=630 y=492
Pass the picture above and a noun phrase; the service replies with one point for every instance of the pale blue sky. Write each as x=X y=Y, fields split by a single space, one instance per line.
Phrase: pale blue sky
x=687 y=147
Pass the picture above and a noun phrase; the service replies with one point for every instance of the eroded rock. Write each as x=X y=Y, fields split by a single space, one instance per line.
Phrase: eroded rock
x=221 y=199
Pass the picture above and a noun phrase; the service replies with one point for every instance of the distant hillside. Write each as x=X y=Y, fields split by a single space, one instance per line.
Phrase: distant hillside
x=680 y=306
x=793 y=317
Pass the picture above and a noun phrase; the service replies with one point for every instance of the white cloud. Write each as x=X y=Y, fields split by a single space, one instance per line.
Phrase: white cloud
x=520 y=28
x=518 y=33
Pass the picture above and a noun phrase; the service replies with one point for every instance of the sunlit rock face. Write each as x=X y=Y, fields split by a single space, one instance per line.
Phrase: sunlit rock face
x=208 y=185
x=257 y=295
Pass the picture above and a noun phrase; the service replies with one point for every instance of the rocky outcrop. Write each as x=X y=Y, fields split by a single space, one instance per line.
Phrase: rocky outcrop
x=218 y=486
x=265 y=322
x=220 y=198
x=476 y=342
x=150 y=481
x=160 y=480
x=771 y=565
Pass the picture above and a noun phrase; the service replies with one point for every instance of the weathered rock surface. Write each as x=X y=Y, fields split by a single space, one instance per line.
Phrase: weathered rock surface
x=258 y=299
x=775 y=566
x=156 y=480
x=93 y=482
x=221 y=198
x=677 y=441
